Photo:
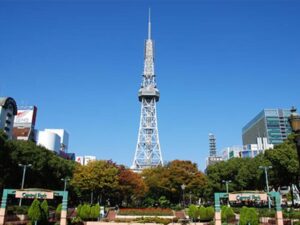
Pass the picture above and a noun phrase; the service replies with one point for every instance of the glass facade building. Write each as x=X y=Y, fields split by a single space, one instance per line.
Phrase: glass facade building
x=270 y=123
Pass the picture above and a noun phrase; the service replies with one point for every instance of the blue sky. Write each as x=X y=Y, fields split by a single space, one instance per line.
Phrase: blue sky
x=218 y=63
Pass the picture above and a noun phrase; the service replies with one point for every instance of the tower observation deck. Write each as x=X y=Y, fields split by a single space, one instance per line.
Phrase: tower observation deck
x=148 y=152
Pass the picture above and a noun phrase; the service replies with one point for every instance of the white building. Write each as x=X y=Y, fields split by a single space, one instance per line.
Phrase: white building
x=232 y=152
x=8 y=110
x=247 y=151
x=53 y=139
x=49 y=140
x=84 y=160
x=64 y=138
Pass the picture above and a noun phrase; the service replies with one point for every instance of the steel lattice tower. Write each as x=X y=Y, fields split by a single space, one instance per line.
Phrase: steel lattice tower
x=148 y=152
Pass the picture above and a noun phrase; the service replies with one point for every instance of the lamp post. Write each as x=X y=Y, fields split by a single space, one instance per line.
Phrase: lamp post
x=23 y=178
x=265 y=168
x=227 y=190
x=65 y=180
x=183 y=188
x=295 y=125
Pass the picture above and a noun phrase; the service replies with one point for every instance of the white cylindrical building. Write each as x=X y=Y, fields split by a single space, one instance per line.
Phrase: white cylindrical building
x=48 y=140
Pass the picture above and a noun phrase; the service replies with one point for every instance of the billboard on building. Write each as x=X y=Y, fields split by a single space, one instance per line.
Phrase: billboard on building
x=26 y=116
x=79 y=159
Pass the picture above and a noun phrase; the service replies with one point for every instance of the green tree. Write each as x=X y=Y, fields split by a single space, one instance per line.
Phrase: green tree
x=167 y=180
x=98 y=177
x=34 y=211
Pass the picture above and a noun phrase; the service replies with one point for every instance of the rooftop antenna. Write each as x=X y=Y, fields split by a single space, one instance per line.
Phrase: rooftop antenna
x=149 y=24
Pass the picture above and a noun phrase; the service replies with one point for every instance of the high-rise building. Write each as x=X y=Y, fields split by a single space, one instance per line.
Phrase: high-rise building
x=24 y=124
x=212 y=158
x=212 y=145
x=8 y=111
x=148 y=152
x=270 y=123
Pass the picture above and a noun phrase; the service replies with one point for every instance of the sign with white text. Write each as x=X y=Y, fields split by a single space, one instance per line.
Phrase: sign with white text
x=34 y=194
x=248 y=197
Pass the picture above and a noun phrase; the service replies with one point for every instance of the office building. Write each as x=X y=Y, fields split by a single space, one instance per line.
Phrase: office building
x=24 y=123
x=270 y=123
x=8 y=111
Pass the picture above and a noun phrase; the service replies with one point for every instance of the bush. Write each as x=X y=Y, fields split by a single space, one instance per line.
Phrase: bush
x=164 y=202
x=202 y=213
x=248 y=216
x=193 y=212
x=44 y=211
x=227 y=214
x=210 y=213
x=146 y=212
x=153 y=220
x=34 y=211
x=95 y=212
x=84 y=212
x=58 y=211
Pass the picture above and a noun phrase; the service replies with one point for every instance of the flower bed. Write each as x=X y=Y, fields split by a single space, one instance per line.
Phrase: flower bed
x=146 y=212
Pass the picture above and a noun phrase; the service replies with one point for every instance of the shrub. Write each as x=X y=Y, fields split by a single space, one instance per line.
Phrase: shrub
x=153 y=220
x=202 y=213
x=248 y=216
x=227 y=214
x=44 y=211
x=146 y=212
x=85 y=212
x=210 y=213
x=193 y=212
x=164 y=202
x=34 y=211
x=58 y=211
x=95 y=211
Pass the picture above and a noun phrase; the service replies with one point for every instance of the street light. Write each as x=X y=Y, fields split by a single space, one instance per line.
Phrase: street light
x=265 y=168
x=227 y=191
x=23 y=178
x=226 y=182
x=295 y=125
x=183 y=187
x=65 y=180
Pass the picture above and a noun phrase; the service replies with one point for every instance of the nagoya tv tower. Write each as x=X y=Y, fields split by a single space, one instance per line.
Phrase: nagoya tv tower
x=148 y=153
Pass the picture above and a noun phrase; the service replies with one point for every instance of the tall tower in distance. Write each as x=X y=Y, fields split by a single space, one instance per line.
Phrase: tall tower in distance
x=148 y=152
x=212 y=145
